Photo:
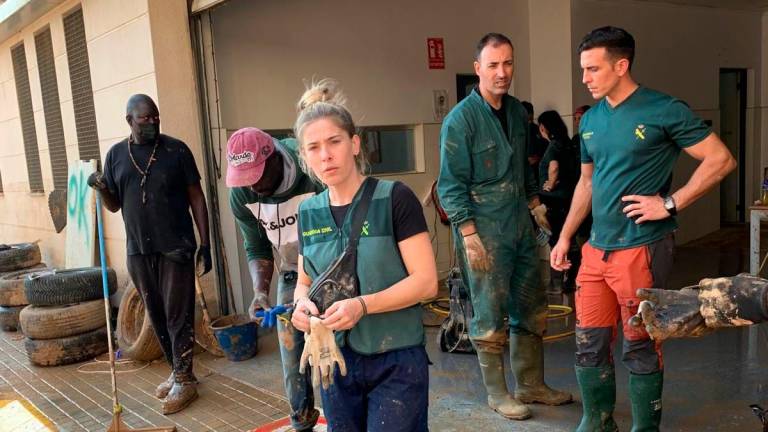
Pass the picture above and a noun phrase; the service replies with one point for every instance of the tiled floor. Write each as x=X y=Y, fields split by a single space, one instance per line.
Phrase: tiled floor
x=74 y=400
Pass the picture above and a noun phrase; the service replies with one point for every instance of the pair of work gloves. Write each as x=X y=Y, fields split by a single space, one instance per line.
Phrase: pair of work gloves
x=320 y=349
x=322 y=353
x=694 y=311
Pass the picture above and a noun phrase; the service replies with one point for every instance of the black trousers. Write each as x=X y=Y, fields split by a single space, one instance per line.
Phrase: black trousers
x=168 y=289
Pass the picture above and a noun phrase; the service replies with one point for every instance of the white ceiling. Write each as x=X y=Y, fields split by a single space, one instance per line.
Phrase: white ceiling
x=726 y=4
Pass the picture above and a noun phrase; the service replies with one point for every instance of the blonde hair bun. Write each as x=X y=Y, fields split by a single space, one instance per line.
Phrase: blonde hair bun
x=326 y=90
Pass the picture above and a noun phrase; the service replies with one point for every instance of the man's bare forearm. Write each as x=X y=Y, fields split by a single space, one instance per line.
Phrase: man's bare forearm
x=709 y=173
x=581 y=206
x=261 y=274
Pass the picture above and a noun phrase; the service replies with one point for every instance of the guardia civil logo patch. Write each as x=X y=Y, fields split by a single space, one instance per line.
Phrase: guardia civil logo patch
x=640 y=132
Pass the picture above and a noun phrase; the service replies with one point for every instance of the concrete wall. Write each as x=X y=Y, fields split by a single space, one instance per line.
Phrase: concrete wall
x=128 y=53
x=680 y=50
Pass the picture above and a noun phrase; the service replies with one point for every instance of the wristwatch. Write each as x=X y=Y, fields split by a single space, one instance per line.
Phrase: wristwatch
x=669 y=205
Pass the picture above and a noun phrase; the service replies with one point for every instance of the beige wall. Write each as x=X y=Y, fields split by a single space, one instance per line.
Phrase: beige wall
x=128 y=53
x=264 y=51
x=550 y=64
x=680 y=50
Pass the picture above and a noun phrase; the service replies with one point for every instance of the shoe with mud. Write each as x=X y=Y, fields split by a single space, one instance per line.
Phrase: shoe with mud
x=180 y=396
x=527 y=361
x=162 y=390
x=492 y=370
x=509 y=407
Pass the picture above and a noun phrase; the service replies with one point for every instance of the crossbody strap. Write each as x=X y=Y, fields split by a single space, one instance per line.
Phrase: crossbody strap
x=361 y=211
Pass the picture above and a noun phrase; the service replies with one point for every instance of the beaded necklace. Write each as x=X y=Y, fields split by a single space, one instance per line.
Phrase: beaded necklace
x=145 y=172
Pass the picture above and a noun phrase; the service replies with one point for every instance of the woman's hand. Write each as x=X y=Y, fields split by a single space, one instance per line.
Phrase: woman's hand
x=301 y=312
x=344 y=314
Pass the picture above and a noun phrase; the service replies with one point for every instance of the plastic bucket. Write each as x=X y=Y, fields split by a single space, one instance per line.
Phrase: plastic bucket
x=237 y=336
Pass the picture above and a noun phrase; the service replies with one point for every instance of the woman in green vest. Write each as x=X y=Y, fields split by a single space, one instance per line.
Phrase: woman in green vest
x=379 y=332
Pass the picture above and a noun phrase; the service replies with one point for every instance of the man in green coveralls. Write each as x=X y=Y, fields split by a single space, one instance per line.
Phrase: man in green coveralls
x=630 y=141
x=487 y=187
x=267 y=186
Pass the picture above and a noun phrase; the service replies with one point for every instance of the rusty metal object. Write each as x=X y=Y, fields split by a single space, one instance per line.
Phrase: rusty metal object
x=57 y=205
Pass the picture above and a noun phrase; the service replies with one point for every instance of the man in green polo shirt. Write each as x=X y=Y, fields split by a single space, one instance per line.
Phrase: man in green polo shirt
x=630 y=141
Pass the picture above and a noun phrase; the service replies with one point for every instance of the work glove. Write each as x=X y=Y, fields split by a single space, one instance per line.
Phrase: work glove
x=321 y=352
x=539 y=214
x=669 y=314
x=476 y=254
x=715 y=303
x=259 y=303
x=269 y=317
x=96 y=181
x=203 y=260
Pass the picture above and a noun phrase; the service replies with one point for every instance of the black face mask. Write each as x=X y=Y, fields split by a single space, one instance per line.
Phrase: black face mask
x=149 y=132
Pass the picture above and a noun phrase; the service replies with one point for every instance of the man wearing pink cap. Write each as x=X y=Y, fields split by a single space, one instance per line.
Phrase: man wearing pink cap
x=267 y=185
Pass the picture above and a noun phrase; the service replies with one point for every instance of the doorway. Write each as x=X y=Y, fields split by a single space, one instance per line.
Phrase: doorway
x=733 y=107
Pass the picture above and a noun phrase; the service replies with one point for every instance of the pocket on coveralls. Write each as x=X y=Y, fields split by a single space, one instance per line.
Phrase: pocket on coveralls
x=485 y=161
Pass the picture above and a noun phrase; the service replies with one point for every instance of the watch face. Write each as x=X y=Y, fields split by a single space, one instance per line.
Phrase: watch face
x=669 y=205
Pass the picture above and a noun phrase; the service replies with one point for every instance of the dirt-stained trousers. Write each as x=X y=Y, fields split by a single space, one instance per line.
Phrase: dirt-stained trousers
x=606 y=294
x=298 y=387
x=167 y=287
x=512 y=288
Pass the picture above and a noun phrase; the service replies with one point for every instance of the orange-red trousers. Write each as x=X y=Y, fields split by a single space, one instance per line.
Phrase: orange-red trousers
x=606 y=289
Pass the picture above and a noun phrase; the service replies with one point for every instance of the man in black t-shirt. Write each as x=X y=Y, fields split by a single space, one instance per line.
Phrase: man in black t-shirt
x=537 y=145
x=153 y=179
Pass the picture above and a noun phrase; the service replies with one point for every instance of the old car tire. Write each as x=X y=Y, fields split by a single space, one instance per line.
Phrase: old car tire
x=50 y=322
x=72 y=349
x=18 y=256
x=61 y=287
x=12 y=286
x=9 y=318
x=135 y=335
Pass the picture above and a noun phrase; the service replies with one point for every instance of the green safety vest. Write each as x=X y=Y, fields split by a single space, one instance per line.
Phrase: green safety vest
x=379 y=266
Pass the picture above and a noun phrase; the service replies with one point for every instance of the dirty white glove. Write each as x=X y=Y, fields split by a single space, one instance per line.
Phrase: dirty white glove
x=321 y=352
x=476 y=254
x=540 y=216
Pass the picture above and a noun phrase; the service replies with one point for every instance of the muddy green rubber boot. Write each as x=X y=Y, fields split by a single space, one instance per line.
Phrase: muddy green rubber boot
x=645 y=395
x=492 y=369
x=598 y=396
x=527 y=358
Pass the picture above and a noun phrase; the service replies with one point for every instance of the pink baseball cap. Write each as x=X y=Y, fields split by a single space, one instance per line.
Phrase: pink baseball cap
x=247 y=150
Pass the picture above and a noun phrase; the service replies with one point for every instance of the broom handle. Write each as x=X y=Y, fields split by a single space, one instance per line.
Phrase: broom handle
x=105 y=286
x=201 y=300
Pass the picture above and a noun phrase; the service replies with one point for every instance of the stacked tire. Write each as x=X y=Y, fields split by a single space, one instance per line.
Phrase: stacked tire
x=65 y=322
x=135 y=335
x=16 y=261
